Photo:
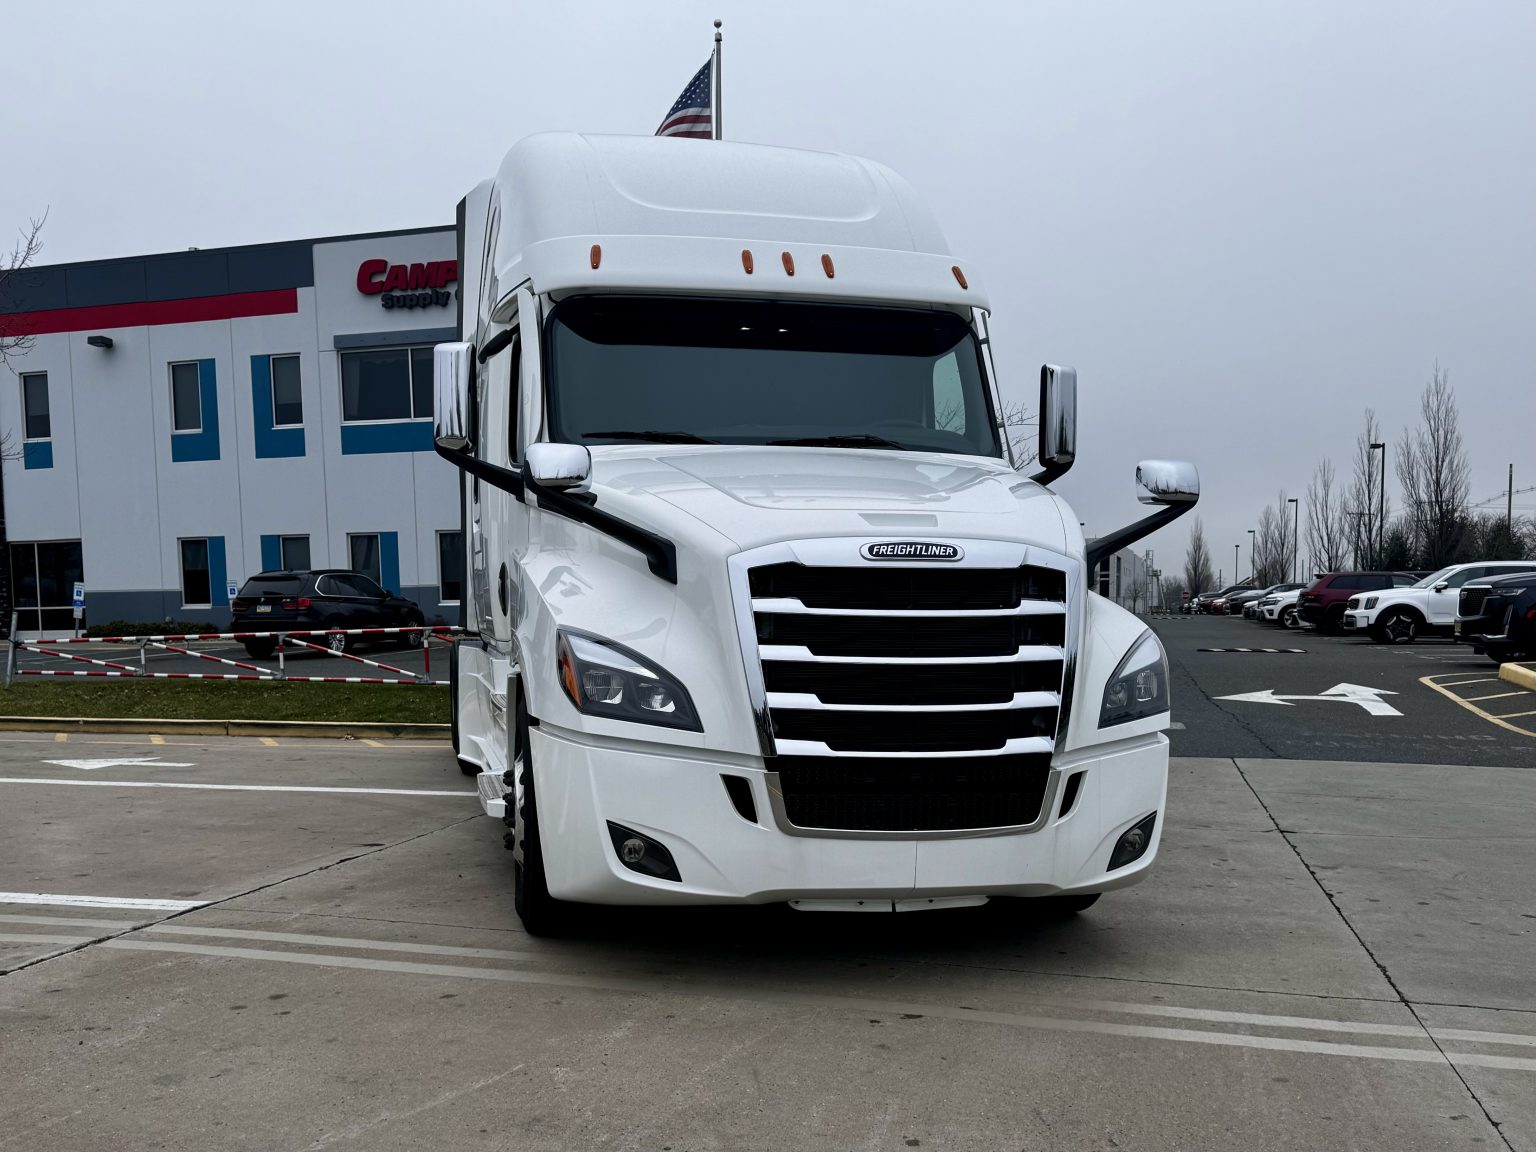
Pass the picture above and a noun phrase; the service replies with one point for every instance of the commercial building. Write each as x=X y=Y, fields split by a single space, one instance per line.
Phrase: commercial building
x=183 y=420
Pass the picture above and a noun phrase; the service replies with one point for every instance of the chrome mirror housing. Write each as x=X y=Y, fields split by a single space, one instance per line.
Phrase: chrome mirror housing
x=1167 y=482
x=562 y=467
x=1058 y=421
x=453 y=368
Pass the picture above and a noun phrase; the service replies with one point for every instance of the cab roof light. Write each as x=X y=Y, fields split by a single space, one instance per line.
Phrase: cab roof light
x=746 y=260
x=789 y=264
x=959 y=276
x=826 y=265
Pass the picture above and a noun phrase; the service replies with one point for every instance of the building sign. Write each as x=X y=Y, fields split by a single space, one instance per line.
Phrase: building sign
x=409 y=285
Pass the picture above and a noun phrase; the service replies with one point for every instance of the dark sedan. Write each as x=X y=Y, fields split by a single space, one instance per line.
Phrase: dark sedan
x=1498 y=617
x=328 y=598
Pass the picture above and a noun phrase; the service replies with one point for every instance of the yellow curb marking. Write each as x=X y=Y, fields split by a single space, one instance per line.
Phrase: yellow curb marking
x=269 y=742
x=1495 y=696
x=1429 y=681
x=373 y=744
x=61 y=737
x=1459 y=683
x=1513 y=715
x=157 y=739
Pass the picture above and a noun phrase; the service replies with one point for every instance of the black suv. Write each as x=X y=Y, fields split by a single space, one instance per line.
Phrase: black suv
x=1498 y=616
x=328 y=598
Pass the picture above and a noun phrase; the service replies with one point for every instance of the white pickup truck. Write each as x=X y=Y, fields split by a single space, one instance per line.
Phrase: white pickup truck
x=1426 y=608
x=760 y=609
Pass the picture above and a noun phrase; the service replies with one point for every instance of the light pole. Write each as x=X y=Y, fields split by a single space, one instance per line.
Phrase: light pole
x=1381 y=508
x=1236 y=550
x=1252 y=571
x=1295 y=535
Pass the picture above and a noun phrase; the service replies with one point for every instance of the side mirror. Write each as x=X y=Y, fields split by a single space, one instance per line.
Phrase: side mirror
x=563 y=467
x=1442 y=586
x=1167 y=482
x=453 y=367
x=1058 y=421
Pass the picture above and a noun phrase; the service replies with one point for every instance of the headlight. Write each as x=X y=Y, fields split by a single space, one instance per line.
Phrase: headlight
x=1370 y=602
x=603 y=679
x=1139 y=687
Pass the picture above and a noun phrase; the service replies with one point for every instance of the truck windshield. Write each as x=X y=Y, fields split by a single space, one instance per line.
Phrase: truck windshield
x=674 y=370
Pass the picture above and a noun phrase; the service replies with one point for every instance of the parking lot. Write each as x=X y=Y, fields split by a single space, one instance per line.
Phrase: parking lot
x=311 y=944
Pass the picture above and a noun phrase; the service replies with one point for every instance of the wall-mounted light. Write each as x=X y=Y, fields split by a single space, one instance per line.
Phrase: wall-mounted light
x=99 y=341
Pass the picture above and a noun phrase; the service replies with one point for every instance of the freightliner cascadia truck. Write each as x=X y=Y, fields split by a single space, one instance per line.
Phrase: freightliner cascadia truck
x=759 y=608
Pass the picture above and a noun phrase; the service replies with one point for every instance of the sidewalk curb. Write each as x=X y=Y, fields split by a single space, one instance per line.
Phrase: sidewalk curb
x=1523 y=675
x=307 y=728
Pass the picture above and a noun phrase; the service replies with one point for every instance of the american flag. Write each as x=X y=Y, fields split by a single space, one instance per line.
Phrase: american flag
x=690 y=116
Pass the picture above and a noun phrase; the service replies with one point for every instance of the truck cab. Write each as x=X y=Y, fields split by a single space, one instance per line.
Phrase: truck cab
x=759 y=607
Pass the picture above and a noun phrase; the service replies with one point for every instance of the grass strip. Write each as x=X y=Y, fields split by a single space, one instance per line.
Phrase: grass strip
x=229 y=700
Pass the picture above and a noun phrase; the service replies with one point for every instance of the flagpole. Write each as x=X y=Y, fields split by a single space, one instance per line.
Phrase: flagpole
x=715 y=103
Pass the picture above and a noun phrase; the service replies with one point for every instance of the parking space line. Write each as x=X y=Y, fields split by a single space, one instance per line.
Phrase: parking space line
x=648 y=986
x=373 y=743
x=38 y=938
x=1429 y=681
x=344 y=942
x=61 y=900
x=269 y=742
x=231 y=787
x=70 y=921
x=1460 y=683
x=1495 y=696
x=61 y=737
x=1514 y=715
x=157 y=739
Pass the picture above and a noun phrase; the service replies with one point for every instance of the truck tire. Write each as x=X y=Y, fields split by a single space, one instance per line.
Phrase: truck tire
x=1054 y=907
x=1499 y=654
x=1332 y=621
x=453 y=712
x=1289 y=619
x=337 y=643
x=1397 y=626
x=260 y=649
x=541 y=913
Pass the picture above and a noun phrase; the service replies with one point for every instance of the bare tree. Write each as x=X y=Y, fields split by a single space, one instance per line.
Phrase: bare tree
x=1366 y=508
x=1197 y=561
x=1022 y=429
x=16 y=344
x=1327 y=526
x=1274 y=545
x=1432 y=468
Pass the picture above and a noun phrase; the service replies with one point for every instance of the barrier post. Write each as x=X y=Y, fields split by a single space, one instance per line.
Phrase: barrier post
x=143 y=662
x=10 y=655
x=282 y=668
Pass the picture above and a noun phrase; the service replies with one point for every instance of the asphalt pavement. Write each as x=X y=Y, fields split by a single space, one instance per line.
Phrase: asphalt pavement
x=288 y=944
x=1336 y=697
x=215 y=657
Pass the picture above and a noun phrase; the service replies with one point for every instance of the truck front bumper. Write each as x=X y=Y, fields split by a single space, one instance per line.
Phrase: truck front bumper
x=1359 y=621
x=677 y=798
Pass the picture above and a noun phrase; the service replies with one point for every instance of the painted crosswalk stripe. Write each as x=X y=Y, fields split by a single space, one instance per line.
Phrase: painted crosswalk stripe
x=71 y=901
x=233 y=787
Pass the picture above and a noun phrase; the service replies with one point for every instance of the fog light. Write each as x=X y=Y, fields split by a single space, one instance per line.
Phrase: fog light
x=1133 y=843
x=640 y=853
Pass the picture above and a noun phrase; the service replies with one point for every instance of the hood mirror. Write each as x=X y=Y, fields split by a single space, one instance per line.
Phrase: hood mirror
x=1167 y=482
x=562 y=467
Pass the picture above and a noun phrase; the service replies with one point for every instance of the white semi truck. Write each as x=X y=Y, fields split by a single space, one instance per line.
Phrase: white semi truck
x=759 y=608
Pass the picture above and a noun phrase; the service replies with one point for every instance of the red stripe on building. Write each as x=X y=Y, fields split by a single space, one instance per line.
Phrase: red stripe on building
x=193 y=310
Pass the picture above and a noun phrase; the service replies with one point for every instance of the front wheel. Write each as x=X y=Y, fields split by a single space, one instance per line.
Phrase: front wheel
x=541 y=913
x=1396 y=627
x=260 y=649
x=414 y=639
x=337 y=642
x=1290 y=618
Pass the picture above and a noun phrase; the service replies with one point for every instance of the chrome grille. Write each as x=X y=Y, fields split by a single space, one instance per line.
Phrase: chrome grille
x=921 y=698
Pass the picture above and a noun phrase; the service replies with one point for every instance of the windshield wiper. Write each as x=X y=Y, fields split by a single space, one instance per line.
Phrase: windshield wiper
x=851 y=440
x=651 y=437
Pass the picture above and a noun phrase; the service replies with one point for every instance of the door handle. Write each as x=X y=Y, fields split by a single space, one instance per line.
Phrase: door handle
x=501 y=589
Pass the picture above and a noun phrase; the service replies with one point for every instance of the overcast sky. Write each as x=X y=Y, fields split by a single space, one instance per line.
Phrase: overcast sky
x=1241 y=223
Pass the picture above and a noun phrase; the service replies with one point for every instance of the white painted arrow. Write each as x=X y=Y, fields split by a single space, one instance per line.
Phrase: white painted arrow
x=92 y=765
x=1368 y=698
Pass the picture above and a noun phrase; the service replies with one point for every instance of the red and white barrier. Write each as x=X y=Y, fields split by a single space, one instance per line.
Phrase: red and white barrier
x=170 y=643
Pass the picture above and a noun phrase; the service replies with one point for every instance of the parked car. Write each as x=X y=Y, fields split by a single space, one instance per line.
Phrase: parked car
x=1322 y=603
x=325 y=598
x=1215 y=603
x=1246 y=602
x=1425 y=608
x=1498 y=616
x=1280 y=608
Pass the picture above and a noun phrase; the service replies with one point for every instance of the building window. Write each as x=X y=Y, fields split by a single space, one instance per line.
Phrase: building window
x=365 y=555
x=34 y=406
x=287 y=393
x=196 y=582
x=450 y=567
x=186 y=398
x=43 y=579
x=386 y=384
x=294 y=551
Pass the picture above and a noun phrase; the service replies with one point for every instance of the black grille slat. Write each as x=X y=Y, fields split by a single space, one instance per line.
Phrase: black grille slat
x=888 y=684
x=911 y=636
x=927 y=795
x=1472 y=602
x=908 y=589
x=913 y=731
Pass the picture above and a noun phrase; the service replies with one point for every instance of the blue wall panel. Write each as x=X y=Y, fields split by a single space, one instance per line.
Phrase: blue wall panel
x=217 y=572
x=389 y=561
x=391 y=436
x=271 y=442
x=37 y=454
x=202 y=445
x=271 y=553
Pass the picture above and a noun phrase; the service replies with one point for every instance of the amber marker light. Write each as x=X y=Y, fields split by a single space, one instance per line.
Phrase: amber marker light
x=826 y=265
x=959 y=277
x=597 y=255
x=746 y=260
x=789 y=264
